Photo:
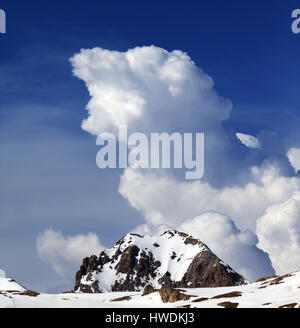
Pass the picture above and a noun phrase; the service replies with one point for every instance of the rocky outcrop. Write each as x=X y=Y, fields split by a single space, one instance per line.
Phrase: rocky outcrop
x=89 y=265
x=171 y=260
x=207 y=270
x=171 y=295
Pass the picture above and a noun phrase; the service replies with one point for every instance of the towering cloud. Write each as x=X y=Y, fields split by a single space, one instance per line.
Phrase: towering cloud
x=149 y=89
x=153 y=90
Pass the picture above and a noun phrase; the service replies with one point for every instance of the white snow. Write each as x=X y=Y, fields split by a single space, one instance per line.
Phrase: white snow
x=10 y=285
x=252 y=296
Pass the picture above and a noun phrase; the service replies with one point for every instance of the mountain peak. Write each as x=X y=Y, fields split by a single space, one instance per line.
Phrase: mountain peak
x=171 y=259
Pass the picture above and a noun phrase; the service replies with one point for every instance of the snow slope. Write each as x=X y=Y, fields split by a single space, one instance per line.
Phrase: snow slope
x=282 y=291
x=10 y=285
x=7 y=287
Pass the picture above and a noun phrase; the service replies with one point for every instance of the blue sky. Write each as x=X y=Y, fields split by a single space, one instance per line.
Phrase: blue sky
x=47 y=165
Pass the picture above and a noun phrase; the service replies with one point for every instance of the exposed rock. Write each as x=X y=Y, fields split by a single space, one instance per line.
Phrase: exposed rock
x=265 y=278
x=137 y=262
x=273 y=280
x=128 y=260
x=261 y=287
x=173 y=256
x=166 y=281
x=206 y=270
x=201 y=299
x=92 y=288
x=279 y=280
x=228 y=295
x=171 y=295
x=121 y=299
x=229 y=305
x=89 y=264
x=148 y=290
x=288 y=306
x=29 y=293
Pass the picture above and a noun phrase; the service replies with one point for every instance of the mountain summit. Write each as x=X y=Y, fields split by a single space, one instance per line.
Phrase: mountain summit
x=144 y=262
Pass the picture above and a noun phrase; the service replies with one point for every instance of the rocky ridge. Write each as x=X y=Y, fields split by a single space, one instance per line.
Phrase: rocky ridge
x=143 y=263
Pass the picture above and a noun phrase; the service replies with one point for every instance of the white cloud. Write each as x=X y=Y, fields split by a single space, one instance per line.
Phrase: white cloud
x=2 y=273
x=150 y=89
x=294 y=157
x=135 y=87
x=153 y=90
x=64 y=254
x=248 y=140
x=162 y=199
x=279 y=234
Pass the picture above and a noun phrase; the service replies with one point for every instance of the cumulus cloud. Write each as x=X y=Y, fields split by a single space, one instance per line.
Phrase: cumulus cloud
x=142 y=83
x=153 y=90
x=279 y=234
x=294 y=157
x=162 y=199
x=150 y=89
x=64 y=254
x=2 y=273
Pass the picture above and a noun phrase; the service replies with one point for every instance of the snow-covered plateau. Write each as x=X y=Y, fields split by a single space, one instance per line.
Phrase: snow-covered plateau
x=272 y=292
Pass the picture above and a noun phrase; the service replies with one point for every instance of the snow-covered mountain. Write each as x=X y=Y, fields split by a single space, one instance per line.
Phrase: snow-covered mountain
x=145 y=262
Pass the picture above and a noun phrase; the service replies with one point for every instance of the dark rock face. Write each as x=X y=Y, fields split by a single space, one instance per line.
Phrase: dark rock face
x=165 y=281
x=89 y=265
x=138 y=262
x=207 y=271
x=128 y=260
